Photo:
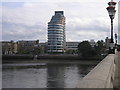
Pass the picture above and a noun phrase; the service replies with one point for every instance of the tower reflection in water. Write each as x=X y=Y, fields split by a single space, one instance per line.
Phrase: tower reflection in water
x=55 y=76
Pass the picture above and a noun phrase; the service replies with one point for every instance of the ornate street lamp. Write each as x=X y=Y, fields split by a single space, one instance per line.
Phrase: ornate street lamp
x=111 y=10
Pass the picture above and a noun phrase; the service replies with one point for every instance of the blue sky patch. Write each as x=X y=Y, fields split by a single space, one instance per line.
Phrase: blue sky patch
x=13 y=4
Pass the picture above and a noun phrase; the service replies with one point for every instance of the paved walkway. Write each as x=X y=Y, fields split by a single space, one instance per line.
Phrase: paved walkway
x=117 y=75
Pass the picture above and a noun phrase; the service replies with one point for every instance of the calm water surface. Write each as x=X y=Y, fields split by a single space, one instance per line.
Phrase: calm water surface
x=42 y=75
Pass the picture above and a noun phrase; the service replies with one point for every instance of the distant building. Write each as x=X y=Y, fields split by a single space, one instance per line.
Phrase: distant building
x=92 y=43
x=23 y=47
x=43 y=48
x=56 y=33
x=107 y=42
x=29 y=43
x=15 y=48
x=72 y=47
x=28 y=47
x=9 y=47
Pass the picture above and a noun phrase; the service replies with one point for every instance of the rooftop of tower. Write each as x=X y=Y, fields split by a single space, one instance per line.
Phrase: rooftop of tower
x=61 y=12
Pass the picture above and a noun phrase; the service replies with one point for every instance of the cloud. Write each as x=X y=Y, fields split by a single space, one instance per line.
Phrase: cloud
x=56 y=0
x=21 y=32
x=28 y=20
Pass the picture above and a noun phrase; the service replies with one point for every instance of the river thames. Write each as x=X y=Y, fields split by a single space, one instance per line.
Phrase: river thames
x=43 y=75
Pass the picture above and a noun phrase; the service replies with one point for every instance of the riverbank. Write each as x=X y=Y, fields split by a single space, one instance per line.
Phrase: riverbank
x=82 y=62
x=47 y=59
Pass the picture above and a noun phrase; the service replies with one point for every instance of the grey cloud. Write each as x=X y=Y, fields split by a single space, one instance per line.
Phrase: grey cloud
x=13 y=31
x=43 y=12
x=92 y=26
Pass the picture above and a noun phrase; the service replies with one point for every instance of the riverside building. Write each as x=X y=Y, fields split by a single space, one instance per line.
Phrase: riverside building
x=56 y=33
x=9 y=47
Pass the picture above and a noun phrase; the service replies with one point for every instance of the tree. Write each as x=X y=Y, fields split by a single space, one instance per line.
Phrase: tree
x=100 y=47
x=85 y=49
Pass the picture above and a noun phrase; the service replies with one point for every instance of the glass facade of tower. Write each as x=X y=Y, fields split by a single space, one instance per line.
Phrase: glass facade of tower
x=56 y=33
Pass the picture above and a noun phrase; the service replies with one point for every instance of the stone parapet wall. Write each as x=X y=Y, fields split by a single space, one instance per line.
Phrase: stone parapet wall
x=101 y=76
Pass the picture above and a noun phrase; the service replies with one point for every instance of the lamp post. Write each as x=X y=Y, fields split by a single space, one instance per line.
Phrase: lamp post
x=116 y=40
x=111 y=11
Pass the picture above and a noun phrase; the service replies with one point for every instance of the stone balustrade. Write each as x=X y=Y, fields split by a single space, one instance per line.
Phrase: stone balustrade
x=101 y=76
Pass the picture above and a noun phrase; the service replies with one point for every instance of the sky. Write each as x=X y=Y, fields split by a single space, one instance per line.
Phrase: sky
x=28 y=19
x=119 y=23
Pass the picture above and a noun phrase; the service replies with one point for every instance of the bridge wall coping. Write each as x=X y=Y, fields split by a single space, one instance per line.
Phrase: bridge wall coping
x=101 y=76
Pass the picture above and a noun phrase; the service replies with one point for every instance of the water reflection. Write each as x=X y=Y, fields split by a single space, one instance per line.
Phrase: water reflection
x=44 y=76
x=84 y=69
x=55 y=76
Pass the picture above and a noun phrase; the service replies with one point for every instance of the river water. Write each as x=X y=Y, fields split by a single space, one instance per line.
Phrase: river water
x=43 y=75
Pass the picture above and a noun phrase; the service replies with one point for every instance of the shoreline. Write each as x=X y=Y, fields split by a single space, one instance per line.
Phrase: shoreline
x=53 y=62
x=48 y=59
x=63 y=57
x=44 y=63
